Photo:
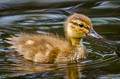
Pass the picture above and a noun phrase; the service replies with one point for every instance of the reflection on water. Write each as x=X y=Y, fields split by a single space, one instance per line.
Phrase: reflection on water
x=74 y=71
x=44 y=16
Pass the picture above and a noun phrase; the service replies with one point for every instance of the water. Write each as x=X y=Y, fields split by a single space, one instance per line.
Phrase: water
x=44 y=16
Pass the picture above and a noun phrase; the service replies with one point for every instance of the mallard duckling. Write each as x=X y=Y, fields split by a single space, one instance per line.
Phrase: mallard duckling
x=51 y=48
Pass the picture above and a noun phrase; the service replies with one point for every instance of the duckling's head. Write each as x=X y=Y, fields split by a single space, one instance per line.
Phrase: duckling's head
x=78 y=26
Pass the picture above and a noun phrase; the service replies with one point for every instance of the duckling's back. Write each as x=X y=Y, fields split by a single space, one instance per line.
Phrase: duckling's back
x=39 y=48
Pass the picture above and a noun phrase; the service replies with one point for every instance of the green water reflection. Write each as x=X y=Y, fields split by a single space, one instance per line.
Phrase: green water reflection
x=47 y=16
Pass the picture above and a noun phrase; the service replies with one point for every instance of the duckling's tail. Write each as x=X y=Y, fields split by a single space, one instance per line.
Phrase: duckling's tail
x=12 y=40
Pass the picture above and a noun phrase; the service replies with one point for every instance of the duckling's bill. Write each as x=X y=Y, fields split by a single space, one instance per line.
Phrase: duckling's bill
x=93 y=34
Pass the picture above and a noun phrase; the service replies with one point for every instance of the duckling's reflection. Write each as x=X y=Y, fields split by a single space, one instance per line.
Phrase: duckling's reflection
x=74 y=71
x=71 y=71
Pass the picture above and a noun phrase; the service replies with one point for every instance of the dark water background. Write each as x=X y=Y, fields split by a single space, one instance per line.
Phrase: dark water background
x=43 y=16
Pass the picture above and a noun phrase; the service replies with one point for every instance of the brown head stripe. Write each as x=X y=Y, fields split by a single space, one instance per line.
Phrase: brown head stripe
x=77 y=24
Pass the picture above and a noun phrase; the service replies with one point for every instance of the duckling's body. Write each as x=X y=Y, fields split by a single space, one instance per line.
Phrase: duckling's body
x=51 y=48
x=47 y=48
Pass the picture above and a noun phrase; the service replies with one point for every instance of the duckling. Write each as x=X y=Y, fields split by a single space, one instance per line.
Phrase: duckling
x=53 y=49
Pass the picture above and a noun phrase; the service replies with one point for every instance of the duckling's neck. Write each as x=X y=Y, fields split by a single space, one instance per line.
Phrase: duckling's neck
x=76 y=41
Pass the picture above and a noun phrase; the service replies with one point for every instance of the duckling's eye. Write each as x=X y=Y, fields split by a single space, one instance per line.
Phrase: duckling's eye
x=81 y=25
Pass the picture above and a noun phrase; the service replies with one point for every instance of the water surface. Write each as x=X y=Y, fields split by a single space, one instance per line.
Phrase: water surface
x=44 y=16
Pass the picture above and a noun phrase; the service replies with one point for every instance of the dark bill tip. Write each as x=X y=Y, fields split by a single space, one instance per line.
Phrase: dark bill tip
x=101 y=38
